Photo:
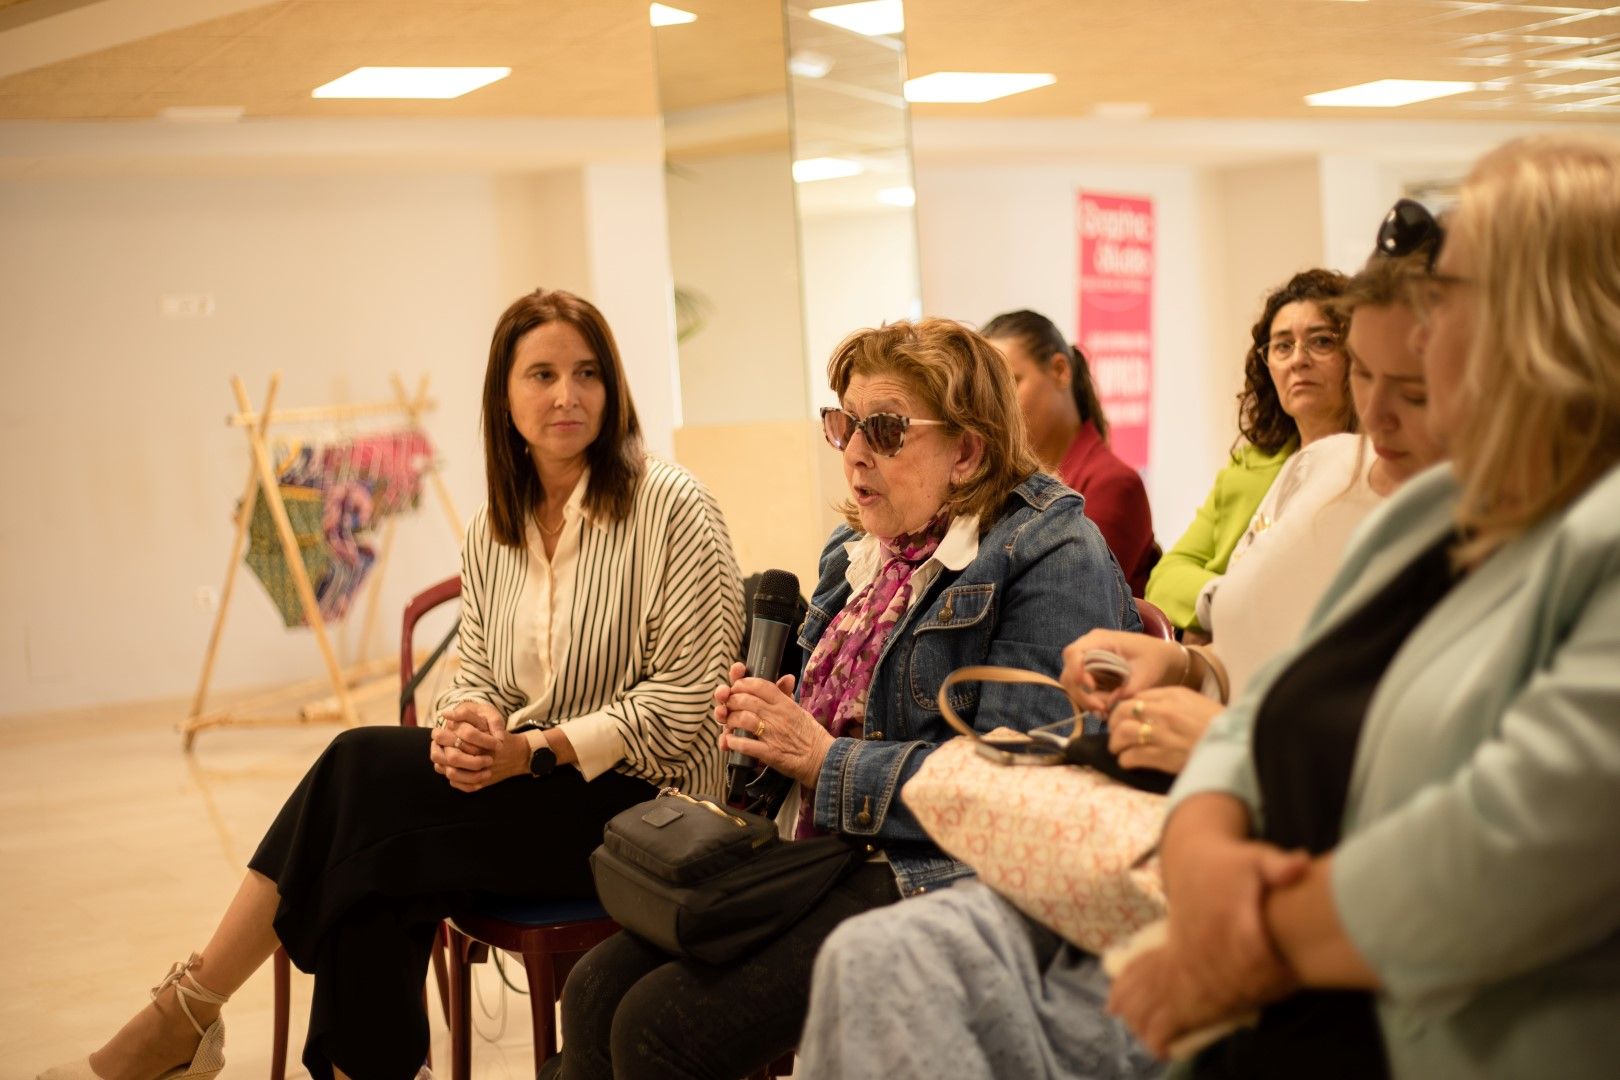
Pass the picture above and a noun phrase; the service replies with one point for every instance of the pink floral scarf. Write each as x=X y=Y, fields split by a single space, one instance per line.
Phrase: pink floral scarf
x=838 y=674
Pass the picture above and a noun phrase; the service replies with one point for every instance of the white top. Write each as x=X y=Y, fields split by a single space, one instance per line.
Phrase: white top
x=1283 y=566
x=957 y=548
x=621 y=636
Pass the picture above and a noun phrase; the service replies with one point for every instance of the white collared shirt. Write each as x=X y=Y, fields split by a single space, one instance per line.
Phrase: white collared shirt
x=958 y=548
x=545 y=612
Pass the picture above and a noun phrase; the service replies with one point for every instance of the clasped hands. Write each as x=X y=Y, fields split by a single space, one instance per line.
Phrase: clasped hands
x=472 y=750
x=760 y=718
x=1219 y=961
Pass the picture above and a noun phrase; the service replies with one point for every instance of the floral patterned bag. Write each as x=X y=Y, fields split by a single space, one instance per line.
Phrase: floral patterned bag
x=1068 y=845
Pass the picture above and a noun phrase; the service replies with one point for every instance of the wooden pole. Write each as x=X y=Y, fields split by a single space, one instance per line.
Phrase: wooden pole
x=415 y=411
x=295 y=563
x=375 y=589
x=248 y=418
x=243 y=516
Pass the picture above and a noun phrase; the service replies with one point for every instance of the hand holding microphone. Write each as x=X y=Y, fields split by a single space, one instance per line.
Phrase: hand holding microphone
x=764 y=725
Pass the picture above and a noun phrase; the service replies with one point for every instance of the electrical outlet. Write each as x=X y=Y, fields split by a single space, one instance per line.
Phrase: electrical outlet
x=187 y=306
x=206 y=599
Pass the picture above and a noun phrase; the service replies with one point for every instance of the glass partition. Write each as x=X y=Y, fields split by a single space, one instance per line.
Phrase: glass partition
x=789 y=190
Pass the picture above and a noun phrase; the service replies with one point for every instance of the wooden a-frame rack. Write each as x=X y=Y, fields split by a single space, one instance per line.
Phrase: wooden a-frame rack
x=349 y=684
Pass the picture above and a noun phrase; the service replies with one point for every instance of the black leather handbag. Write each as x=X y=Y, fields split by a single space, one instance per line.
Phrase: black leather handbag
x=703 y=881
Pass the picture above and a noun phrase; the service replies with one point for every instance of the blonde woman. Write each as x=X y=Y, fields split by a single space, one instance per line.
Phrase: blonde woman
x=1399 y=844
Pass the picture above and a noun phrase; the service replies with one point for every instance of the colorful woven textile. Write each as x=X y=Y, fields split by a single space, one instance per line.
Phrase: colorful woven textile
x=268 y=561
x=334 y=493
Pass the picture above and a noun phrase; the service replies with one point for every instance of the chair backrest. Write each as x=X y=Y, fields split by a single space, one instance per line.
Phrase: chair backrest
x=422 y=603
x=1154 y=621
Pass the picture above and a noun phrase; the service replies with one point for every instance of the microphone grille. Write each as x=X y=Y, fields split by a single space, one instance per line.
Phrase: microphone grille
x=777 y=597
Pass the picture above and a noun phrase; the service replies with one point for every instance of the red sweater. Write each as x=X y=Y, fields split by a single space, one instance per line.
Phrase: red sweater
x=1116 y=501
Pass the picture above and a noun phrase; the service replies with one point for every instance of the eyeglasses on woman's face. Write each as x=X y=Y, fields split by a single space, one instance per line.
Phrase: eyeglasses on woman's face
x=885 y=432
x=1319 y=346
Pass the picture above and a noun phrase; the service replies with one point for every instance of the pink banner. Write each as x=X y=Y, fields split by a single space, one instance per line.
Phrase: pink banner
x=1116 y=314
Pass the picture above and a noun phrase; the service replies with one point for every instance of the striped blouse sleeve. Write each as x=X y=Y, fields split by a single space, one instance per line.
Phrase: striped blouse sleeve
x=695 y=630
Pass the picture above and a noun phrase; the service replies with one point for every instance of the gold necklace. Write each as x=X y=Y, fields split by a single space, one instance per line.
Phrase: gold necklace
x=541 y=524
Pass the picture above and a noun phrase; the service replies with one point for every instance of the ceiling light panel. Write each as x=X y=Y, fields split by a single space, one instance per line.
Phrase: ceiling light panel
x=1388 y=93
x=873 y=18
x=664 y=15
x=809 y=170
x=438 y=83
x=973 y=87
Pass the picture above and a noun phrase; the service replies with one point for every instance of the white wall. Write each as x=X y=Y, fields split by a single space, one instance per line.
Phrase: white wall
x=997 y=238
x=124 y=475
x=1268 y=222
x=860 y=269
x=733 y=243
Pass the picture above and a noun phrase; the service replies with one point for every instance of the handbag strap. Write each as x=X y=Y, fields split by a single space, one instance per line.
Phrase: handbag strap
x=985 y=673
x=1087 y=750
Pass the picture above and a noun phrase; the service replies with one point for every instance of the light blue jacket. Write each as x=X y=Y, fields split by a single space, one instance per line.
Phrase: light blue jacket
x=1479 y=870
x=1042 y=577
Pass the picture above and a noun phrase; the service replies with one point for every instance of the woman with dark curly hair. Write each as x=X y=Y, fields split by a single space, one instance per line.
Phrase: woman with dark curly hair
x=1296 y=382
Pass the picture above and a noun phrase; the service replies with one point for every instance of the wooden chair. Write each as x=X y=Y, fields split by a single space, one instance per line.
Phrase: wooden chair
x=1155 y=622
x=549 y=935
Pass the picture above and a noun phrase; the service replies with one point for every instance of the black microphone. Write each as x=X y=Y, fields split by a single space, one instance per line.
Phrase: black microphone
x=776 y=608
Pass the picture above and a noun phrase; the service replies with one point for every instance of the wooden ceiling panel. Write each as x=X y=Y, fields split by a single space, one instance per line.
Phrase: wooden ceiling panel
x=568 y=59
x=1247 y=58
x=1181 y=58
x=732 y=53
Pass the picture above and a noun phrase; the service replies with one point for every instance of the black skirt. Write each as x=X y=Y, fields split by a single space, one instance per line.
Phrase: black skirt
x=373 y=848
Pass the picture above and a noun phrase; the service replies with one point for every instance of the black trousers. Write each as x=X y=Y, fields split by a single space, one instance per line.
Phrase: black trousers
x=632 y=1012
x=373 y=848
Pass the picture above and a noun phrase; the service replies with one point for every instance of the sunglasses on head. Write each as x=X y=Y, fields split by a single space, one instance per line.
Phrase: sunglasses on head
x=1409 y=228
x=885 y=432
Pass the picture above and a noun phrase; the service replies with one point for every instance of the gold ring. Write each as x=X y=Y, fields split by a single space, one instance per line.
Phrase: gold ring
x=759 y=732
x=1138 y=707
x=1144 y=735
x=458 y=742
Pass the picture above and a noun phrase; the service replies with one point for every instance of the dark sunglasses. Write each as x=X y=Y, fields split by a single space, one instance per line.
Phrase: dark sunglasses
x=1408 y=228
x=885 y=432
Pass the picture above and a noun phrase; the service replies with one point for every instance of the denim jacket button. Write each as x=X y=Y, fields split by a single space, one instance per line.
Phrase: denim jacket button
x=874 y=736
x=863 y=818
x=947 y=613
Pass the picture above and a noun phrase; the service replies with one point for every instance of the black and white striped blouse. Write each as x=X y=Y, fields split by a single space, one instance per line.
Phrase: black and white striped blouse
x=655 y=621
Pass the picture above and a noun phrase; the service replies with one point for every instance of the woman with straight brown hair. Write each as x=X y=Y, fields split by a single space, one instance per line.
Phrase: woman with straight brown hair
x=600 y=605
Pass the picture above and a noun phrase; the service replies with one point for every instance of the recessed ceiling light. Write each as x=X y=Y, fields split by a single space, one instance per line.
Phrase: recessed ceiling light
x=664 y=15
x=809 y=64
x=897 y=196
x=410 y=82
x=872 y=18
x=1388 y=93
x=824 y=168
x=974 y=87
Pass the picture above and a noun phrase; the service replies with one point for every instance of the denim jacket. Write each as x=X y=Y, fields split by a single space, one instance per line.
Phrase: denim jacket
x=1042 y=577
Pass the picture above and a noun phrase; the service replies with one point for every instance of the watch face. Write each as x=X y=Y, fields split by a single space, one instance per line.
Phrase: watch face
x=542 y=761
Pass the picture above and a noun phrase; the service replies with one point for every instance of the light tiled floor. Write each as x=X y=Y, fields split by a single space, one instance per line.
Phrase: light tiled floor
x=118 y=852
